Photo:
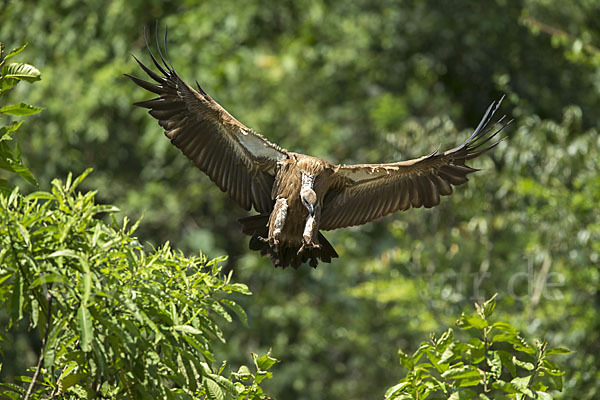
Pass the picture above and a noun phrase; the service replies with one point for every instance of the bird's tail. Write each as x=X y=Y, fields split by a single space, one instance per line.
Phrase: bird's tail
x=283 y=256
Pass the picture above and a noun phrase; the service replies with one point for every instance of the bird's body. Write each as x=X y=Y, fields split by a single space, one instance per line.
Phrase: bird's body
x=297 y=195
x=290 y=235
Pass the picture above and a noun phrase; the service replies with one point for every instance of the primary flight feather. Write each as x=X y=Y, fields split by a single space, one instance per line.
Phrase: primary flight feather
x=297 y=195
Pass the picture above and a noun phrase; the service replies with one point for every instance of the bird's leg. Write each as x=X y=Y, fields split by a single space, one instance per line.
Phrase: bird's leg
x=277 y=221
x=311 y=228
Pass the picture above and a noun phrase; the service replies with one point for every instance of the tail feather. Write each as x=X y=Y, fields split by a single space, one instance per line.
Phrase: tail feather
x=327 y=250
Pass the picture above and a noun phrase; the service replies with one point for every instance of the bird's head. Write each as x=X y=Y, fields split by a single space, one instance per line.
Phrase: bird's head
x=309 y=199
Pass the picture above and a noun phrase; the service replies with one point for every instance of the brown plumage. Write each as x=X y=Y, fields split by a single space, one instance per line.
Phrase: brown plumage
x=297 y=195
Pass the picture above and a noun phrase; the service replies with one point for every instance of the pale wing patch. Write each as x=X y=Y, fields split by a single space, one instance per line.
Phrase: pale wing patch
x=257 y=146
x=363 y=172
x=366 y=173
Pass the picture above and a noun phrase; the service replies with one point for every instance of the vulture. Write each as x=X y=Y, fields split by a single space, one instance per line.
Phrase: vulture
x=295 y=195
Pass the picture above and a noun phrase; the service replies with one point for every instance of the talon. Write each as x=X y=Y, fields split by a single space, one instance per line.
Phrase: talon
x=301 y=249
x=307 y=244
x=271 y=241
x=262 y=239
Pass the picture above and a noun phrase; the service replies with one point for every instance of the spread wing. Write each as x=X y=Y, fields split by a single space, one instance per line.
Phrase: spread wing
x=362 y=193
x=240 y=161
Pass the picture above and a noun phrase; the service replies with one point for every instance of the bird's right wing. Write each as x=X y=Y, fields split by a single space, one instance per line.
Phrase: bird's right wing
x=240 y=161
x=365 y=192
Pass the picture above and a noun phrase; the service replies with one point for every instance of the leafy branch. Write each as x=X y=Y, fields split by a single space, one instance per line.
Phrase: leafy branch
x=10 y=75
x=496 y=362
x=115 y=320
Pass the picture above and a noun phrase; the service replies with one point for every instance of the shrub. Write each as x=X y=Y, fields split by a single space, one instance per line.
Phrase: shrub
x=494 y=363
x=114 y=320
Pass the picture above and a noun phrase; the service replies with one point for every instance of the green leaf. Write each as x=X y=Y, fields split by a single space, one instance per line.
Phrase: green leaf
x=11 y=161
x=505 y=327
x=68 y=377
x=187 y=329
x=524 y=364
x=444 y=341
x=68 y=381
x=243 y=373
x=85 y=328
x=395 y=389
x=7 y=84
x=86 y=282
x=23 y=232
x=448 y=354
x=472 y=381
x=489 y=305
x=406 y=360
x=17 y=299
x=262 y=375
x=521 y=384
x=264 y=362
x=7 y=131
x=21 y=71
x=224 y=383
x=12 y=53
x=238 y=310
x=216 y=261
x=213 y=390
x=521 y=345
x=80 y=178
x=476 y=322
x=20 y=109
x=507 y=362
x=39 y=195
x=558 y=350
x=50 y=278
x=505 y=337
x=552 y=368
x=218 y=308
x=238 y=287
x=464 y=394
x=557 y=381
x=63 y=253
x=505 y=386
x=495 y=363
x=465 y=371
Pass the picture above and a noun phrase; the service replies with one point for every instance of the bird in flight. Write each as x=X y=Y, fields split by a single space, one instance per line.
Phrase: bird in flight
x=297 y=195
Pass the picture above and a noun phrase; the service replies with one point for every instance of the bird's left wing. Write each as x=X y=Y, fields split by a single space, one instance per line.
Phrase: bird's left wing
x=365 y=192
x=240 y=161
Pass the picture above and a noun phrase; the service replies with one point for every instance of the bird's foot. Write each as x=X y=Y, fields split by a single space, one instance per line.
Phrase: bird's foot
x=271 y=241
x=308 y=244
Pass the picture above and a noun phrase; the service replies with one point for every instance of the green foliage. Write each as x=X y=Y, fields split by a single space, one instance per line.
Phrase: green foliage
x=351 y=81
x=494 y=363
x=115 y=320
x=10 y=75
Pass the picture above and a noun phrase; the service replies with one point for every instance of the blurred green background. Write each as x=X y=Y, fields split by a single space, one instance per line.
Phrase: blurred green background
x=350 y=81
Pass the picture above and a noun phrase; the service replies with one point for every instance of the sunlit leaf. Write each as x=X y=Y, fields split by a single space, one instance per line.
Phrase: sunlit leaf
x=20 y=109
x=466 y=371
x=238 y=310
x=21 y=71
x=84 y=322
x=213 y=390
x=558 y=350
x=187 y=329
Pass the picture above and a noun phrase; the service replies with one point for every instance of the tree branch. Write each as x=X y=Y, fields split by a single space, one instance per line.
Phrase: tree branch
x=43 y=350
